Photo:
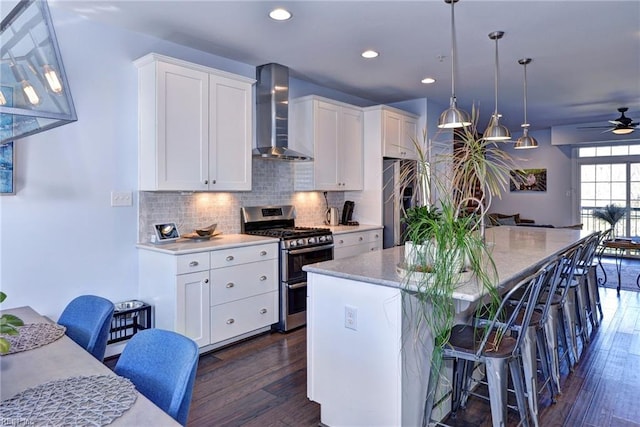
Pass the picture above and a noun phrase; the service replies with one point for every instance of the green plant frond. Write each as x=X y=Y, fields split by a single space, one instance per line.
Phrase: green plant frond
x=3 y=296
x=611 y=213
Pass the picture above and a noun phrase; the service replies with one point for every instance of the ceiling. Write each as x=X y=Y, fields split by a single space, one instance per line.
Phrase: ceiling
x=586 y=54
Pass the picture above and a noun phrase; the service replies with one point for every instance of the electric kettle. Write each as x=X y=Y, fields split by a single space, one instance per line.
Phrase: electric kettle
x=332 y=216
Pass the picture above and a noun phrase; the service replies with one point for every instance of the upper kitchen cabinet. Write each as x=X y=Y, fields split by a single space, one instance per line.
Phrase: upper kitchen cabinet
x=195 y=127
x=331 y=132
x=398 y=129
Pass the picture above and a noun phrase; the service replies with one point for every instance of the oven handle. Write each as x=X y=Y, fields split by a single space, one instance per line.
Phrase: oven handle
x=307 y=250
x=297 y=285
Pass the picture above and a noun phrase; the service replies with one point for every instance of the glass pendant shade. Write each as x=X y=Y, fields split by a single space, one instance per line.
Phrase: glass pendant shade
x=34 y=91
x=453 y=117
x=525 y=141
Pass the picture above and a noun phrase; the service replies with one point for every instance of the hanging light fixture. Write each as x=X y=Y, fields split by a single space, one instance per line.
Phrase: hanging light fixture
x=495 y=131
x=31 y=66
x=453 y=117
x=525 y=141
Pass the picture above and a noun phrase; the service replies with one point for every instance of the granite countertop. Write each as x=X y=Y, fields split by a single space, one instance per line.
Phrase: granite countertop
x=221 y=241
x=517 y=252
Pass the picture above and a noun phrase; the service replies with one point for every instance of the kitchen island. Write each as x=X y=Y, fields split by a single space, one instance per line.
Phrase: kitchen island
x=368 y=362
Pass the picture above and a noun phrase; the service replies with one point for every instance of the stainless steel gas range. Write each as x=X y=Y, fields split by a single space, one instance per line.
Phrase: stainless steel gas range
x=299 y=246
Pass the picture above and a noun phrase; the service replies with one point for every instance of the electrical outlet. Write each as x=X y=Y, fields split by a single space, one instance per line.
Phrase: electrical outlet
x=350 y=317
x=121 y=198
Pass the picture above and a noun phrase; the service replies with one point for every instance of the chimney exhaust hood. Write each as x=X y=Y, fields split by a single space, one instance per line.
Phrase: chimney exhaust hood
x=272 y=114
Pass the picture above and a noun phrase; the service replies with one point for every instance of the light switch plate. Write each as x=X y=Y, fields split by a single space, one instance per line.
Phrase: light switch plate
x=121 y=198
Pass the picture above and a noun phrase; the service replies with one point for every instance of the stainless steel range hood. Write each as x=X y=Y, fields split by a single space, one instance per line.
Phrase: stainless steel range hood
x=272 y=114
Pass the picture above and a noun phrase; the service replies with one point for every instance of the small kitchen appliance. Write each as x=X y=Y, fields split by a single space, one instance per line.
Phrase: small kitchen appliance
x=299 y=246
x=347 y=212
x=332 y=216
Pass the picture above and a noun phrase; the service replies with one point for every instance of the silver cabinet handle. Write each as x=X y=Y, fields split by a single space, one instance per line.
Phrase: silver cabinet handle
x=230 y=258
x=263 y=311
x=193 y=263
x=206 y=280
x=263 y=278
x=230 y=321
x=230 y=285
x=263 y=253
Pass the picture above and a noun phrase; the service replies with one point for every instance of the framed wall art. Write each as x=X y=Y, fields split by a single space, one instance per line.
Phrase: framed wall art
x=7 y=160
x=528 y=180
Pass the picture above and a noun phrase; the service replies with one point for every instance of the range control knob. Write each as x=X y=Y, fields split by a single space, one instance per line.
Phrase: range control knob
x=291 y=243
x=300 y=242
x=312 y=240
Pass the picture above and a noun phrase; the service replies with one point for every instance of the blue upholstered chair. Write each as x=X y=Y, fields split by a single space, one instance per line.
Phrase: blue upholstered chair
x=162 y=365
x=88 y=321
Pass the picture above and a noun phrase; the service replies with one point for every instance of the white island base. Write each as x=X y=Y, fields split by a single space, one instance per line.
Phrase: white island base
x=368 y=363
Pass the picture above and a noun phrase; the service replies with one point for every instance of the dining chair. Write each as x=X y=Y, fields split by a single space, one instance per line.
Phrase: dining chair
x=162 y=365
x=88 y=321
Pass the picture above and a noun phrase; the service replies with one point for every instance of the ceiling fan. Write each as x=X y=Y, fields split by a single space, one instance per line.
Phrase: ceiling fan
x=621 y=126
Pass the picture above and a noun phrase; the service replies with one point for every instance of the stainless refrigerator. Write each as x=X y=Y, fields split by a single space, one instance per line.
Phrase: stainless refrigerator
x=394 y=203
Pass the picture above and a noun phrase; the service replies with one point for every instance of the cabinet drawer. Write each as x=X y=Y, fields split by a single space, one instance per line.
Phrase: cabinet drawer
x=242 y=255
x=190 y=263
x=357 y=238
x=245 y=315
x=242 y=281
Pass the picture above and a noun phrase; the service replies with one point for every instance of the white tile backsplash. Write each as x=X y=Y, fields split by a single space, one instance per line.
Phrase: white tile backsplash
x=273 y=184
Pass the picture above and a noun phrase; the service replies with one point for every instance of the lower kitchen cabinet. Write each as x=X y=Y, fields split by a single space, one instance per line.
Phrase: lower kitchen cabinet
x=215 y=296
x=356 y=242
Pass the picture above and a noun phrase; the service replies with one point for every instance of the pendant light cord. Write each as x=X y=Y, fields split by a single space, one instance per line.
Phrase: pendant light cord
x=525 y=95
x=453 y=51
x=496 y=80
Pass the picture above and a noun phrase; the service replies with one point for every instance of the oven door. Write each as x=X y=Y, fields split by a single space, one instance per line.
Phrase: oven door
x=294 y=259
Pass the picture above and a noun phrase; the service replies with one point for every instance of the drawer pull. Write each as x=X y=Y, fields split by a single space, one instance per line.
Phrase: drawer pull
x=377 y=236
x=206 y=181
x=230 y=321
x=230 y=285
x=230 y=258
x=194 y=264
x=360 y=238
x=263 y=311
x=341 y=241
x=263 y=253
x=263 y=278
x=206 y=280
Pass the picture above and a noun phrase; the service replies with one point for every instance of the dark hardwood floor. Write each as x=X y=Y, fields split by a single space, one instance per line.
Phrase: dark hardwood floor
x=262 y=381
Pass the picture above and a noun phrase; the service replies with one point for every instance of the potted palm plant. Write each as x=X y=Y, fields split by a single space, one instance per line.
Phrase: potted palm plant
x=610 y=214
x=446 y=234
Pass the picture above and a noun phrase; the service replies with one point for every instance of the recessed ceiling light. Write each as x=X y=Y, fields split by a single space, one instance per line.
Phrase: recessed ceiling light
x=280 y=14
x=428 y=80
x=369 y=54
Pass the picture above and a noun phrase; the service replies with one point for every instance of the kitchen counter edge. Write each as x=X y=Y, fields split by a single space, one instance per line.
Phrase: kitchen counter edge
x=223 y=241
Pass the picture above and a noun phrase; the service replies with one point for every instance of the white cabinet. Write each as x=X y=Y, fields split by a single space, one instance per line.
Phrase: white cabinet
x=214 y=297
x=195 y=127
x=356 y=242
x=332 y=133
x=398 y=130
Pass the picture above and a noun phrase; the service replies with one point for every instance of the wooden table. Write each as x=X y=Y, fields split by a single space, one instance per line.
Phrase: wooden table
x=620 y=245
x=62 y=359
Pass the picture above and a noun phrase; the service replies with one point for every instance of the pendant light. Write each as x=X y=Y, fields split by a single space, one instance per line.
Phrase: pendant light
x=525 y=141
x=453 y=117
x=495 y=131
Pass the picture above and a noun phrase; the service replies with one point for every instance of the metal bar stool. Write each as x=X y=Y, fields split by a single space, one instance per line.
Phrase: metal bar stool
x=580 y=288
x=496 y=346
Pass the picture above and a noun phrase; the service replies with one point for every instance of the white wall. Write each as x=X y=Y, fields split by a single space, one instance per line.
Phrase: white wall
x=550 y=207
x=59 y=235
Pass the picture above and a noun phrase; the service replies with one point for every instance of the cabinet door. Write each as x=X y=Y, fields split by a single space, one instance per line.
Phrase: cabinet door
x=391 y=131
x=410 y=134
x=182 y=128
x=351 y=154
x=327 y=136
x=192 y=307
x=230 y=134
